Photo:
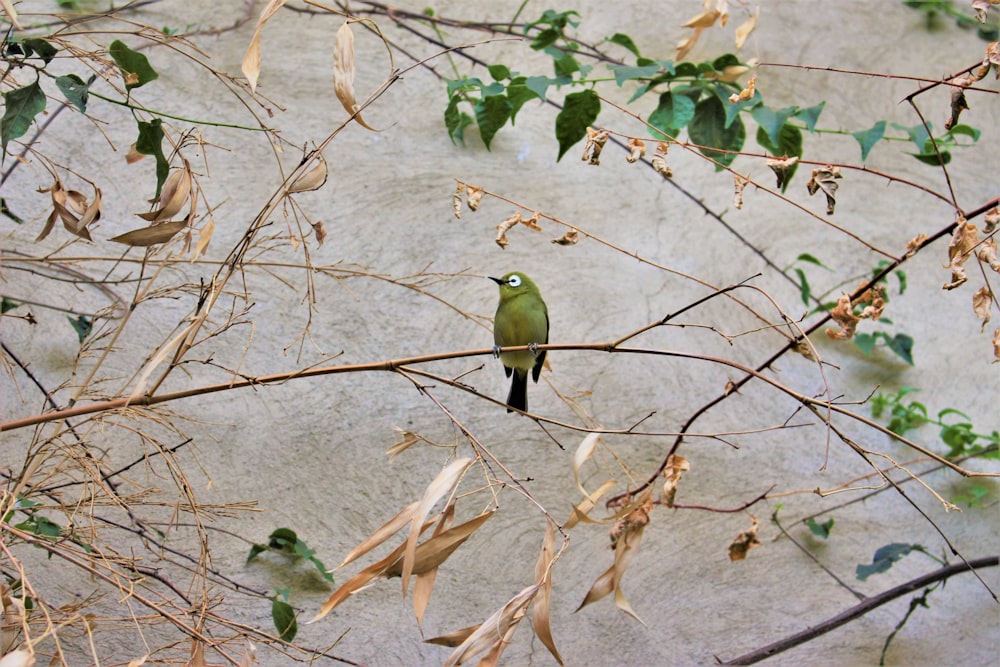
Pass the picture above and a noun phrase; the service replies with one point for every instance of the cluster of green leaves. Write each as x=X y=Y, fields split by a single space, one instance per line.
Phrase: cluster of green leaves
x=956 y=429
x=285 y=541
x=945 y=143
x=23 y=105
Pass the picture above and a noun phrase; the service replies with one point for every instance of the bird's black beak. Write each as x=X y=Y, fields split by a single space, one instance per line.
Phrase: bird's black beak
x=498 y=281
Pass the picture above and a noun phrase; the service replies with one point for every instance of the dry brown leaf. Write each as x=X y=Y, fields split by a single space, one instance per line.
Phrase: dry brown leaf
x=582 y=454
x=704 y=20
x=133 y=155
x=747 y=93
x=440 y=487
x=876 y=303
x=138 y=662
x=251 y=60
x=343 y=73
x=408 y=439
x=72 y=208
x=843 y=314
x=204 y=238
x=739 y=183
x=782 y=168
x=745 y=541
x=504 y=226
x=636 y=150
x=320 y=231
x=456 y=201
x=824 y=178
x=581 y=511
x=744 y=29
x=381 y=534
x=8 y=7
x=659 y=160
x=494 y=629
x=572 y=237
x=987 y=253
x=436 y=550
x=982 y=8
x=914 y=244
x=626 y=545
x=676 y=465
x=174 y=195
x=13 y=615
x=963 y=241
x=996 y=343
x=540 y=612
x=313 y=179
x=958 y=101
x=473 y=196
x=991 y=219
x=197 y=658
x=147 y=236
x=424 y=585
x=532 y=222
x=981 y=302
x=685 y=45
x=454 y=638
x=594 y=145
x=993 y=58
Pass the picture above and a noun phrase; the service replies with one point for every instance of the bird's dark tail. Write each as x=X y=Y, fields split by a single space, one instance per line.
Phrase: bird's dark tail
x=518 y=396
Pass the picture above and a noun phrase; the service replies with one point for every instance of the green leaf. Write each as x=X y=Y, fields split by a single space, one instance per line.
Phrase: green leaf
x=256 y=550
x=150 y=142
x=624 y=40
x=709 y=130
x=75 y=90
x=564 y=63
x=884 y=558
x=820 y=529
x=82 y=325
x=865 y=343
x=672 y=115
x=901 y=277
x=7 y=305
x=545 y=38
x=41 y=526
x=283 y=616
x=773 y=122
x=456 y=121
x=902 y=345
x=21 y=107
x=538 y=84
x=39 y=46
x=579 y=112
x=519 y=93
x=499 y=72
x=625 y=73
x=135 y=67
x=283 y=539
x=932 y=158
x=805 y=291
x=492 y=113
x=869 y=137
x=810 y=116
x=811 y=259
x=966 y=130
x=724 y=61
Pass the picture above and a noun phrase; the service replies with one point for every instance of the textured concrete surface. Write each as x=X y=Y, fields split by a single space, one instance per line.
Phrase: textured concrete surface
x=310 y=453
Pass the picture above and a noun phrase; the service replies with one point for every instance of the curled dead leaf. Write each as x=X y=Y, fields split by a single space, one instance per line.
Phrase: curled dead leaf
x=204 y=238
x=636 y=149
x=982 y=8
x=706 y=19
x=744 y=29
x=996 y=343
x=991 y=219
x=582 y=510
x=532 y=222
x=782 y=168
x=745 y=541
x=958 y=101
x=914 y=244
x=540 y=608
x=747 y=93
x=843 y=314
x=320 y=231
x=987 y=254
x=313 y=179
x=456 y=201
x=504 y=226
x=739 y=183
x=343 y=73
x=152 y=235
x=963 y=242
x=594 y=144
x=659 y=160
x=676 y=466
x=174 y=195
x=572 y=237
x=473 y=196
x=73 y=209
x=824 y=178
x=454 y=638
x=251 y=60
x=981 y=302
x=494 y=632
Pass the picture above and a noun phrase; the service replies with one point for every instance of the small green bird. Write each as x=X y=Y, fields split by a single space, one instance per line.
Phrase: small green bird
x=521 y=319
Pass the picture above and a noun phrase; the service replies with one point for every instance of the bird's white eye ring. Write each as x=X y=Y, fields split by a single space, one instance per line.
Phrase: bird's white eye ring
x=514 y=280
